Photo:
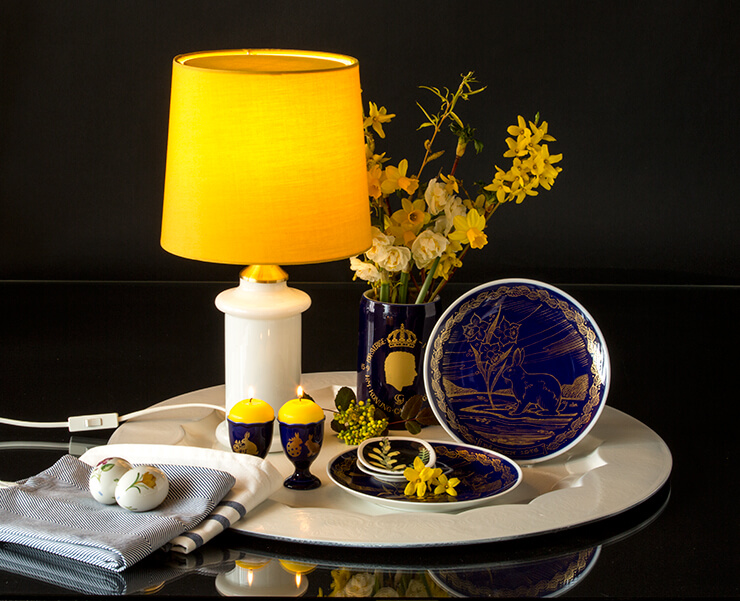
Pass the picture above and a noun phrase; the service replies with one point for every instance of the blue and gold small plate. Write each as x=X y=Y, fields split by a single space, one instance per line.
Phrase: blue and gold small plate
x=518 y=367
x=483 y=475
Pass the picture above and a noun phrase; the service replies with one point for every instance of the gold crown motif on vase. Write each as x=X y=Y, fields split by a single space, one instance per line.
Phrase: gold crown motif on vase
x=402 y=338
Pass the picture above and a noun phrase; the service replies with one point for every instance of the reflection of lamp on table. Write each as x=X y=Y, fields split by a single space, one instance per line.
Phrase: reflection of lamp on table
x=265 y=167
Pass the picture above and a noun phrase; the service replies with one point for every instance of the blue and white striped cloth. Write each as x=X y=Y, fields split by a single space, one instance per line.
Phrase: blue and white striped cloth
x=55 y=513
x=146 y=576
x=256 y=480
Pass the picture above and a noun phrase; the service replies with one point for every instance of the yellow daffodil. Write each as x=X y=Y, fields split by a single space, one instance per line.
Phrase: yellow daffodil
x=403 y=236
x=396 y=179
x=373 y=181
x=470 y=229
x=445 y=485
x=377 y=117
x=411 y=215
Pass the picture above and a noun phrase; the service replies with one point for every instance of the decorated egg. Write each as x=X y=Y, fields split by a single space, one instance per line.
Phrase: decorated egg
x=104 y=479
x=142 y=488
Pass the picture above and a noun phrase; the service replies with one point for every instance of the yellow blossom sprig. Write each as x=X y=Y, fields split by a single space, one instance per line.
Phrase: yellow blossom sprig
x=422 y=480
x=419 y=245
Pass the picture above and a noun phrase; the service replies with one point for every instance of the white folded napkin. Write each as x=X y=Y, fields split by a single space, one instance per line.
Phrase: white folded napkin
x=256 y=480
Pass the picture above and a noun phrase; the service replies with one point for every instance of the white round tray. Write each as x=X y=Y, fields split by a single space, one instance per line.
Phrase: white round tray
x=619 y=464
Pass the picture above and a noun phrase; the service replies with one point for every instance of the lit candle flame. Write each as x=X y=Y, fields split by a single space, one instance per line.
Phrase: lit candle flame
x=250 y=577
x=250 y=392
x=299 y=392
x=298 y=580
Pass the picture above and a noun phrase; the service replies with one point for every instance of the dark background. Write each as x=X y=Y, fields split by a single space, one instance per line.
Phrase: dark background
x=642 y=97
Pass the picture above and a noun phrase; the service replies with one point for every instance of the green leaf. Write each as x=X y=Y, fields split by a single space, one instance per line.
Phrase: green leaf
x=411 y=407
x=426 y=417
x=345 y=396
x=413 y=426
x=337 y=427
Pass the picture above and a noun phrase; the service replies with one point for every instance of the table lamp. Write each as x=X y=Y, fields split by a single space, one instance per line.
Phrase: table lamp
x=265 y=167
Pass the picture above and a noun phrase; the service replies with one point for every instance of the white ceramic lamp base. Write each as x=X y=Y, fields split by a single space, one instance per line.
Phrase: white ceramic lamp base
x=262 y=327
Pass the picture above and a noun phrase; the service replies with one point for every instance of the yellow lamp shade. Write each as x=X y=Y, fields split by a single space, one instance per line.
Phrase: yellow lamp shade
x=265 y=158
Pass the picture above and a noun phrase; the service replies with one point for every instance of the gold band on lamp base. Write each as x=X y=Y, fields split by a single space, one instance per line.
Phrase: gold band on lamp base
x=266 y=274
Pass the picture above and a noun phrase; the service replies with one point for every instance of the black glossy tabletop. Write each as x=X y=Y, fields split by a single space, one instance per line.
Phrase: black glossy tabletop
x=73 y=348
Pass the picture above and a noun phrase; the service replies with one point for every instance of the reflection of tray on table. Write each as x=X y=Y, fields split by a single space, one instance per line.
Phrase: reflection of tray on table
x=619 y=464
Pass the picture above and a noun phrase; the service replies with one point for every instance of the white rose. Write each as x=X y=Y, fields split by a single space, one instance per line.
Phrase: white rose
x=436 y=196
x=445 y=223
x=381 y=244
x=360 y=585
x=428 y=246
x=365 y=271
x=396 y=259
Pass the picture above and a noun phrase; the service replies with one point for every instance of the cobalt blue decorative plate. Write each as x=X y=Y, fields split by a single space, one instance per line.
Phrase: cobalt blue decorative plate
x=483 y=475
x=518 y=367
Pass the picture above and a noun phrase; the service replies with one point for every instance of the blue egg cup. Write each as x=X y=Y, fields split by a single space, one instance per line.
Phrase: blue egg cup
x=301 y=444
x=251 y=439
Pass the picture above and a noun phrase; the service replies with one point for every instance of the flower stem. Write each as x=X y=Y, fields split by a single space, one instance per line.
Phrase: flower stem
x=427 y=282
x=403 y=289
x=454 y=165
x=385 y=292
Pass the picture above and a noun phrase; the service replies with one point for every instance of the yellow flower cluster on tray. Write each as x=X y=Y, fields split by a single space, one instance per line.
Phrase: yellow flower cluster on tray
x=422 y=479
x=421 y=232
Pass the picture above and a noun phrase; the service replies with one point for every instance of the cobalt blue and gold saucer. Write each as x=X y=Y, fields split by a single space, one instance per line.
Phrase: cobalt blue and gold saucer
x=518 y=367
x=483 y=475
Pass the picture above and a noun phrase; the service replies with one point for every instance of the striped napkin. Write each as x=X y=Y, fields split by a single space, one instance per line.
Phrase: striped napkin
x=145 y=577
x=55 y=513
x=256 y=480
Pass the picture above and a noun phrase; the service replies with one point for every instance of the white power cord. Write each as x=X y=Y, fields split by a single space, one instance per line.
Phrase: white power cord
x=102 y=421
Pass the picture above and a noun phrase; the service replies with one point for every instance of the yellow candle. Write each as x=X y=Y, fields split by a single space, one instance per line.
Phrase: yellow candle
x=252 y=411
x=300 y=411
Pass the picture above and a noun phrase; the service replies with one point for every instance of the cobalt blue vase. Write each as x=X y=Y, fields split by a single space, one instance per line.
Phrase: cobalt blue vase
x=390 y=354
